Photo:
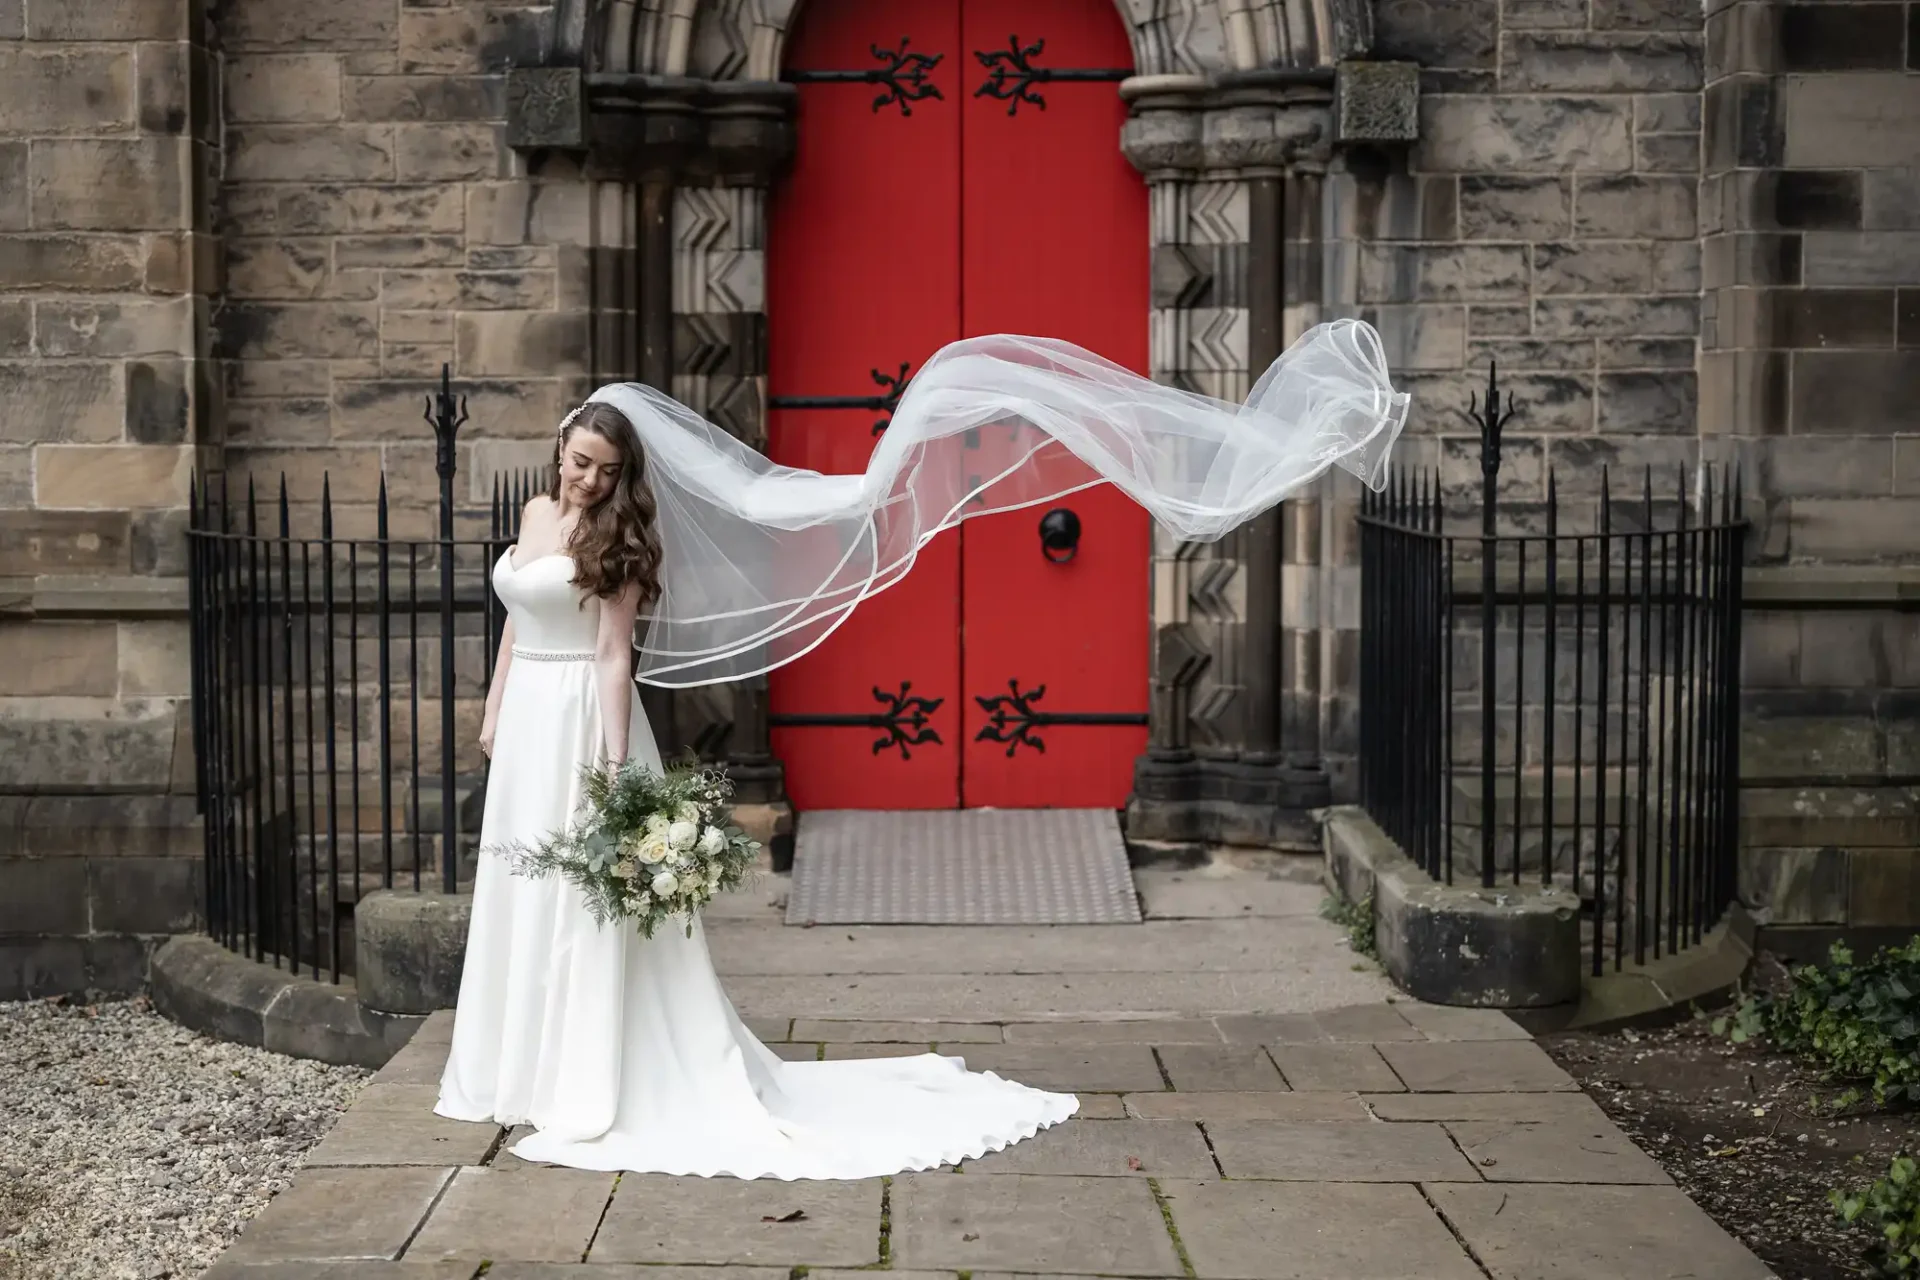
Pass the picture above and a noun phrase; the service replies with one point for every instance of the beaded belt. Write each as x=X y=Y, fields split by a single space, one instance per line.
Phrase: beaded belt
x=553 y=655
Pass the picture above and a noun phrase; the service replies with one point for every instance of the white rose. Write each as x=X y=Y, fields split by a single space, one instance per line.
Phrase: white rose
x=666 y=884
x=713 y=842
x=644 y=902
x=687 y=812
x=681 y=835
x=657 y=824
x=652 y=849
x=625 y=869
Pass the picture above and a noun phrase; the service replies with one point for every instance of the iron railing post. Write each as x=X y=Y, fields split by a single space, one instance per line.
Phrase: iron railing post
x=1491 y=420
x=446 y=415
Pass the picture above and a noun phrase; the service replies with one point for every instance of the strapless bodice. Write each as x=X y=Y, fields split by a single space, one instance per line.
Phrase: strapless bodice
x=549 y=613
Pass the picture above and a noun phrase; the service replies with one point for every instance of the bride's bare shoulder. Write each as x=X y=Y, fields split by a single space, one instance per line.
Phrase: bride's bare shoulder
x=538 y=511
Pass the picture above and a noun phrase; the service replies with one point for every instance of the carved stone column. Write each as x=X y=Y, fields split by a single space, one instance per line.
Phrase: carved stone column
x=1217 y=153
x=698 y=157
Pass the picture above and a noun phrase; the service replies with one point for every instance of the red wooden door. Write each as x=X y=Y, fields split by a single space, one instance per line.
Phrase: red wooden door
x=897 y=231
x=1054 y=242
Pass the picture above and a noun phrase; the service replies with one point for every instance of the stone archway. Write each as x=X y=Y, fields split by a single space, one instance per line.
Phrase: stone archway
x=1230 y=122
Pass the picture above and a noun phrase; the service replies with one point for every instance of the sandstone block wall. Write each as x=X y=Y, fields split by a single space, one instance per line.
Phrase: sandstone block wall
x=108 y=136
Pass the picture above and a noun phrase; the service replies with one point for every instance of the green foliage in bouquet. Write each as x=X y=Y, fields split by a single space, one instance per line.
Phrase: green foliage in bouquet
x=646 y=845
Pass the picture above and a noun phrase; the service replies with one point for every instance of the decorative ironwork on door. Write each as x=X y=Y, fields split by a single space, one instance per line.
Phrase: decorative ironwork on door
x=903 y=715
x=1012 y=718
x=1011 y=74
x=892 y=387
x=904 y=76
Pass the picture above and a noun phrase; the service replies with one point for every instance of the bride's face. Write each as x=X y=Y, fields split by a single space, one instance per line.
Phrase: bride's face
x=589 y=467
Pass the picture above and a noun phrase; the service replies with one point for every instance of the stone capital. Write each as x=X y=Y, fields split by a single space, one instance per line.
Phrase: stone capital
x=1234 y=125
x=655 y=129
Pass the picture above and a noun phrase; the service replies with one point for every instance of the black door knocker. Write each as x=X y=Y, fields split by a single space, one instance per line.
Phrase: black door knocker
x=1059 y=535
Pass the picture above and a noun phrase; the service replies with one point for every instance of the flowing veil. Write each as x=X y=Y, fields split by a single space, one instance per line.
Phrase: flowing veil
x=763 y=562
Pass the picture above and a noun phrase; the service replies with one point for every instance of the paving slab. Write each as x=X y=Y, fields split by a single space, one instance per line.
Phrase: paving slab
x=1343 y=1068
x=1088 y=1035
x=1231 y=1108
x=1446 y=1022
x=1593 y=1233
x=771 y=1030
x=1219 y=1068
x=841 y=1031
x=1101 y=1106
x=226 y=1270
x=1216 y=893
x=1110 y=1148
x=796 y=1052
x=1514 y=1108
x=843 y=1051
x=1270 y=1028
x=1017 y=1222
x=1125 y=1068
x=1365 y=1024
x=341 y=1214
x=629 y=1271
x=1499 y=1066
x=1366 y=1152
x=418 y=1062
x=756 y=948
x=521 y=1213
x=1555 y=1151
x=659 y=1219
x=396 y=1135
x=1313 y=1231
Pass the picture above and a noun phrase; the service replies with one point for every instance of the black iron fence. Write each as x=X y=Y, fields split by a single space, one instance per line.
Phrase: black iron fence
x=339 y=676
x=1559 y=704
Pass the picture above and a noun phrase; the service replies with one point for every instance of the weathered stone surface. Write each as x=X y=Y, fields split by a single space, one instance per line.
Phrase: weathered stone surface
x=1591 y=62
x=66 y=91
x=1112 y=1069
x=1087 y=1035
x=1636 y=205
x=545 y=344
x=1340 y=1153
x=114 y=477
x=301 y=24
x=309 y=153
x=448 y=152
x=426 y=97
x=1499 y=207
x=1302 y=1231
x=46 y=401
x=1337 y=1067
x=409 y=949
x=516 y=213
x=1449 y=1022
x=1216 y=1068
x=1506 y=1108
x=1593 y=1233
x=108 y=20
x=144 y=895
x=85 y=264
x=468 y=290
x=1109 y=1226
x=1457 y=1067
x=1442 y=273
x=1647 y=316
x=1640 y=403
x=345 y=208
x=326 y=330
x=1233 y=1108
x=845 y=1032
x=1554 y=1151
x=341 y=1213
x=1111 y=1148
x=134 y=184
x=283 y=88
x=43 y=896
x=120 y=328
x=1852 y=121
x=67 y=742
x=1477 y=134
x=14 y=215
x=656 y=1219
x=413 y=1135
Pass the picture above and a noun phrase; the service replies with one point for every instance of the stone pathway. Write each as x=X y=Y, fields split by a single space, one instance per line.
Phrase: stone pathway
x=1222 y=1134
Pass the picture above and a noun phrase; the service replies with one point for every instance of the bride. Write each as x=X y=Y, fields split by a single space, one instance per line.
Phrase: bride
x=663 y=534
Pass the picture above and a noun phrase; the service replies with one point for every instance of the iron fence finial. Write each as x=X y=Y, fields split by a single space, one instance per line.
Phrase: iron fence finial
x=1491 y=419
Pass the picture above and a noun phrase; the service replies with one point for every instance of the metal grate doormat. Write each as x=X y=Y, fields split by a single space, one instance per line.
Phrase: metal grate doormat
x=967 y=866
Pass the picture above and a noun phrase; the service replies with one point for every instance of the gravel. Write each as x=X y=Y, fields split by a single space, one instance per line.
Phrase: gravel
x=132 y=1149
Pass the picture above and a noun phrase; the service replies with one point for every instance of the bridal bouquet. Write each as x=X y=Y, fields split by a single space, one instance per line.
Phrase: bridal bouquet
x=646 y=845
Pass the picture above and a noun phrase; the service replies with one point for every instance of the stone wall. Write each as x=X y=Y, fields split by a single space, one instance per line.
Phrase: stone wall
x=107 y=153
x=376 y=226
x=1545 y=220
x=1810 y=368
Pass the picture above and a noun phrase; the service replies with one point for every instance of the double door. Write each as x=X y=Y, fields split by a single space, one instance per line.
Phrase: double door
x=958 y=172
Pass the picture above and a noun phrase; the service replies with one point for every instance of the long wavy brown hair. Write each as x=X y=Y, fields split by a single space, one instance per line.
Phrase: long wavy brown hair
x=617 y=540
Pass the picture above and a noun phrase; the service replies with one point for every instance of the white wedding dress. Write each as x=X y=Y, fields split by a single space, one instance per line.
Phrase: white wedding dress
x=624 y=1053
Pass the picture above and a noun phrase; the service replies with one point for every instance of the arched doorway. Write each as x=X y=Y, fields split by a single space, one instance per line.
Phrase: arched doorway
x=960 y=195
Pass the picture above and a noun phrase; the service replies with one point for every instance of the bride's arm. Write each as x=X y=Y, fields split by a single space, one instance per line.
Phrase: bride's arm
x=613 y=669
x=491 y=719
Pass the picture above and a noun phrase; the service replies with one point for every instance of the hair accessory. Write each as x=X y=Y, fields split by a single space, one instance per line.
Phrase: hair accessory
x=567 y=421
